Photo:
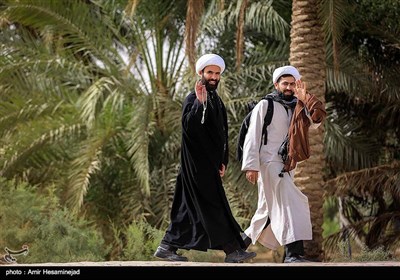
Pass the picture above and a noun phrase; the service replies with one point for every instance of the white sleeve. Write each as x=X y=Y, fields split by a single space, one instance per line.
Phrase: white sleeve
x=252 y=142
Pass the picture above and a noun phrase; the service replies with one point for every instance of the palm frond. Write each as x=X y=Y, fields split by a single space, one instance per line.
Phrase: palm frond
x=21 y=155
x=367 y=181
x=86 y=163
x=388 y=238
x=346 y=146
x=334 y=15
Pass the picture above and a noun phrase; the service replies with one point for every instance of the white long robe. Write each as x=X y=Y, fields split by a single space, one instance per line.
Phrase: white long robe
x=278 y=197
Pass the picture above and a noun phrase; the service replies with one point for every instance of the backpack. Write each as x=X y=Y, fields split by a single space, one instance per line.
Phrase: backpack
x=246 y=123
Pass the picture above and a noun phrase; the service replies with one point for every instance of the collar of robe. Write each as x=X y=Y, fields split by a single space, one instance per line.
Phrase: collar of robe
x=288 y=102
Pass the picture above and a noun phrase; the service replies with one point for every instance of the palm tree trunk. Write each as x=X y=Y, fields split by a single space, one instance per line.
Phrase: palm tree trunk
x=307 y=53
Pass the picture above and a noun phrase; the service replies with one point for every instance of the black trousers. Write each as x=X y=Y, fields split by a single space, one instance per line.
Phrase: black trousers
x=294 y=249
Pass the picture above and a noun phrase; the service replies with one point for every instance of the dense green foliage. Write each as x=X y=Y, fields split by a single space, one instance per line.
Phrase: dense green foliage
x=35 y=218
x=90 y=104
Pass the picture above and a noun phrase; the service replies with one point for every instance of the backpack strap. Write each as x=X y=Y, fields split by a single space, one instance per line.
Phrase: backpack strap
x=267 y=118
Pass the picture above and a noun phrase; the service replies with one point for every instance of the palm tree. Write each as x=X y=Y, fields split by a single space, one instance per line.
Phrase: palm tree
x=86 y=90
x=361 y=153
x=307 y=53
x=351 y=92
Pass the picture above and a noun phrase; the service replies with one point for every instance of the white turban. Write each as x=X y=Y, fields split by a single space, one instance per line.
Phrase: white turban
x=285 y=70
x=209 y=59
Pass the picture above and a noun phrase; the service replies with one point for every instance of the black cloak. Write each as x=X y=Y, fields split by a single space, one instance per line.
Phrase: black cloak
x=201 y=218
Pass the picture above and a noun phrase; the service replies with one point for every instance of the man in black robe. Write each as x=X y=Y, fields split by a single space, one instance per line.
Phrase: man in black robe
x=201 y=218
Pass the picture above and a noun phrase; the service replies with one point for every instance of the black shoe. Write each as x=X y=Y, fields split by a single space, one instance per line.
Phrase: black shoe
x=239 y=256
x=246 y=240
x=168 y=255
x=296 y=259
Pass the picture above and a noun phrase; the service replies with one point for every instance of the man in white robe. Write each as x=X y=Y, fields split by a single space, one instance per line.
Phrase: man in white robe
x=282 y=217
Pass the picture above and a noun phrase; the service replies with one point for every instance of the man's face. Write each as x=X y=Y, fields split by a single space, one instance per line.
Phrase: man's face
x=286 y=85
x=211 y=76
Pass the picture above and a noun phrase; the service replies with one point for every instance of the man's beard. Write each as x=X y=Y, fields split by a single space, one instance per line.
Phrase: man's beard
x=287 y=97
x=209 y=87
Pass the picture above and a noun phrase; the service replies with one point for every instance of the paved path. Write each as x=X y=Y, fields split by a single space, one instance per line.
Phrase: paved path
x=208 y=264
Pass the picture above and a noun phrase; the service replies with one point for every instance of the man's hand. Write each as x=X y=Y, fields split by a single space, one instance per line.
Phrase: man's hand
x=252 y=176
x=222 y=170
x=300 y=91
x=201 y=92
